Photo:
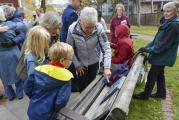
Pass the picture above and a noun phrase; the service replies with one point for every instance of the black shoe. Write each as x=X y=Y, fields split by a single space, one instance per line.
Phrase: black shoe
x=1 y=96
x=20 y=98
x=156 y=95
x=140 y=96
x=11 y=99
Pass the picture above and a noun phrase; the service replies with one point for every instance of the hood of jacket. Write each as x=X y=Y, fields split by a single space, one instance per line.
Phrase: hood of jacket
x=122 y=31
x=50 y=77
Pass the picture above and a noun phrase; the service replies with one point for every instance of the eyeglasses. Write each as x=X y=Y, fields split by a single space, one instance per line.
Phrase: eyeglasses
x=68 y=59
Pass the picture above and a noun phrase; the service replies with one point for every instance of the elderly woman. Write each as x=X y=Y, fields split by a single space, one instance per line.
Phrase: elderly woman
x=162 y=52
x=119 y=19
x=9 y=52
x=88 y=37
x=50 y=21
x=12 y=15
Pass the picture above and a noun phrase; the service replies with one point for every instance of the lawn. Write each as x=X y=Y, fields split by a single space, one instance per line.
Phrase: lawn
x=151 y=109
x=140 y=109
x=146 y=30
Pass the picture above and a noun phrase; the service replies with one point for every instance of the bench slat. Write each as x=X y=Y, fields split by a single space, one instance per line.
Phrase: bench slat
x=84 y=93
x=90 y=98
x=71 y=114
x=106 y=106
x=121 y=106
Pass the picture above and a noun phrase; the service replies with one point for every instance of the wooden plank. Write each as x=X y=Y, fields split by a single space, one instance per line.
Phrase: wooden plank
x=98 y=109
x=120 y=108
x=74 y=103
x=90 y=98
x=71 y=114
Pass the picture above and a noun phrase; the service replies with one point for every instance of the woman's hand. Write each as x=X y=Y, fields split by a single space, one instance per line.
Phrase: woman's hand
x=80 y=70
x=107 y=74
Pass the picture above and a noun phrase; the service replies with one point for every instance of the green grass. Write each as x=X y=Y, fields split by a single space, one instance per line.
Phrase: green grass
x=172 y=80
x=144 y=110
x=146 y=30
x=151 y=109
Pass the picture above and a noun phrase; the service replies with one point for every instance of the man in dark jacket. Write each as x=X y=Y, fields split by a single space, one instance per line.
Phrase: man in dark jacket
x=69 y=16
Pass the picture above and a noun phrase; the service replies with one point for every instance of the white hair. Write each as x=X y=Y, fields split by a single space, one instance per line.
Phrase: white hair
x=2 y=16
x=22 y=10
x=89 y=15
x=9 y=11
x=171 y=5
x=49 y=20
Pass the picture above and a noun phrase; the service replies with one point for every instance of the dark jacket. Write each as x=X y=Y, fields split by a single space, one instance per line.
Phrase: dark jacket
x=124 y=48
x=13 y=33
x=163 y=49
x=49 y=89
x=69 y=16
x=115 y=22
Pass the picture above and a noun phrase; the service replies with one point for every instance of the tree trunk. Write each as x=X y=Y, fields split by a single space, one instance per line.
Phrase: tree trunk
x=152 y=6
x=43 y=5
x=138 y=12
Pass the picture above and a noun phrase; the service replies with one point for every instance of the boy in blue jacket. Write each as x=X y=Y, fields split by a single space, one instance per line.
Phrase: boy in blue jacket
x=49 y=87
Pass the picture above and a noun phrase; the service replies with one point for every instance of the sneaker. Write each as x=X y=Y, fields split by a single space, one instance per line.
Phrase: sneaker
x=1 y=96
x=20 y=98
x=11 y=99
x=140 y=96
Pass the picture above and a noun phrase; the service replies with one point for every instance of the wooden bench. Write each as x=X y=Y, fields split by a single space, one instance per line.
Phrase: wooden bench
x=100 y=102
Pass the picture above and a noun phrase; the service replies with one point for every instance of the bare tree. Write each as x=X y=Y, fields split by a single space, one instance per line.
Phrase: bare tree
x=43 y=5
x=138 y=12
x=152 y=6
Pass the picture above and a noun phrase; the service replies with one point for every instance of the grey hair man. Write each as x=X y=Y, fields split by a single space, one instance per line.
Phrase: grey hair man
x=88 y=38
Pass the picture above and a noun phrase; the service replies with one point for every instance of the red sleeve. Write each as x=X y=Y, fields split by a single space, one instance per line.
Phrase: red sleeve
x=124 y=51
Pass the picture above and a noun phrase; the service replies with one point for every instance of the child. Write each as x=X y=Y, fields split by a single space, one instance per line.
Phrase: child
x=124 y=48
x=49 y=87
x=37 y=45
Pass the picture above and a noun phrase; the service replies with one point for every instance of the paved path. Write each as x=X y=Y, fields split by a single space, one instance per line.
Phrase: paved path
x=14 y=110
x=145 y=37
x=167 y=107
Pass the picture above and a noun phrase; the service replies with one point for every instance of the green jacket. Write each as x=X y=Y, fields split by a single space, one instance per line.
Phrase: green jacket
x=163 y=49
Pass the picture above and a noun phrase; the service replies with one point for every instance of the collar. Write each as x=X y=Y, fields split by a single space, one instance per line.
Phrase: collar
x=78 y=30
x=70 y=6
x=57 y=64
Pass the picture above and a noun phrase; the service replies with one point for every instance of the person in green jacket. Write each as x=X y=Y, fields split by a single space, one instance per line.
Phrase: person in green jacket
x=162 y=52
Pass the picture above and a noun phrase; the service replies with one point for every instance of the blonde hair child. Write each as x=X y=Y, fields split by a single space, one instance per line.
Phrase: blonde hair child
x=52 y=84
x=37 y=42
x=61 y=53
x=36 y=49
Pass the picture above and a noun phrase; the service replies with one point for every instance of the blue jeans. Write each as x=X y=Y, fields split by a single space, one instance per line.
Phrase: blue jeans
x=10 y=92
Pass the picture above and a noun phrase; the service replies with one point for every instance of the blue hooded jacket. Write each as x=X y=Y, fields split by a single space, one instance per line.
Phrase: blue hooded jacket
x=49 y=89
x=13 y=33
